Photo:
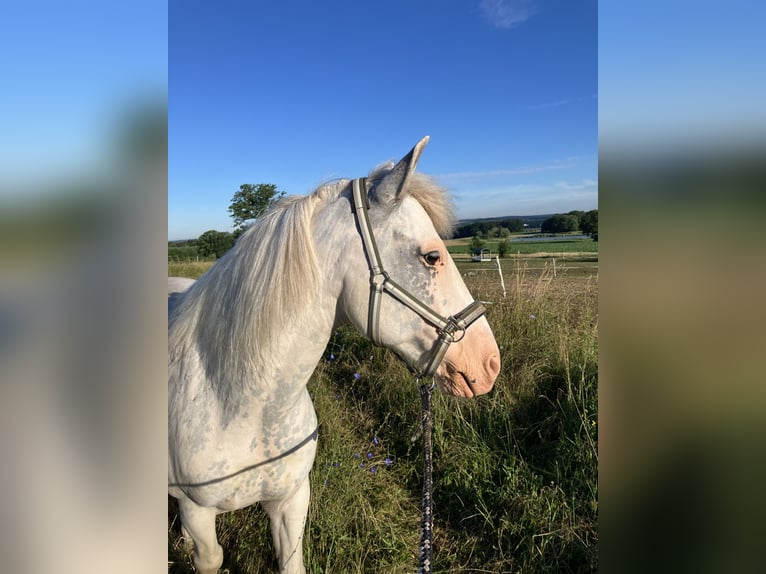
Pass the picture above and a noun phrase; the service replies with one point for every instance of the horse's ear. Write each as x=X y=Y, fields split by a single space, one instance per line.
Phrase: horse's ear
x=391 y=186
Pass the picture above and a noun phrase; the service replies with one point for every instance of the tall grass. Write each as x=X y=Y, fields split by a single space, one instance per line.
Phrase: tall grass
x=191 y=269
x=515 y=471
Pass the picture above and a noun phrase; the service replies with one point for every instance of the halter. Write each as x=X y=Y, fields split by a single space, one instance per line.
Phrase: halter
x=380 y=282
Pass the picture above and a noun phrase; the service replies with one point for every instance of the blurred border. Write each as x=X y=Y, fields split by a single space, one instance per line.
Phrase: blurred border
x=83 y=220
x=83 y=318
x=682 y=397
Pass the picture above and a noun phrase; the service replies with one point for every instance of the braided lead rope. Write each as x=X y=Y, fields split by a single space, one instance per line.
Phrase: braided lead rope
x=427 y=518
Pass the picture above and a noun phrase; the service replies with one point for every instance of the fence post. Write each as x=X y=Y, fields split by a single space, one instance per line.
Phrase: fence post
x=500 y=272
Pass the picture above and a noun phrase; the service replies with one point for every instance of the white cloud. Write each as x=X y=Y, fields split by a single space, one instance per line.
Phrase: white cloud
x=549 y=105
x=586 y=184
x=527 y=199
x=507 y=13
x=563 y=102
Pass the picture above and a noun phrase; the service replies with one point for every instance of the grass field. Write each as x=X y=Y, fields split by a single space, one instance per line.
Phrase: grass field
x=462 y=247
x=515 y=471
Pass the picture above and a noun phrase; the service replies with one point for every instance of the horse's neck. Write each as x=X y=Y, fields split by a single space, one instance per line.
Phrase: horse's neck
x=306 y=335
x=277 y=372
x=281 y=377
x=300 y=347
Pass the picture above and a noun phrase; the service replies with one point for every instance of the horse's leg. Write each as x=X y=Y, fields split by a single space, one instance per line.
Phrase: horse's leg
x=288 y=519
x=198 y=523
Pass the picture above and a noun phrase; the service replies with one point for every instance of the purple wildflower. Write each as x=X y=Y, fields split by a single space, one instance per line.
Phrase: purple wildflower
x=357 y=376
x=375 y=441
x=389 y=462
x=532 y=317
x=369 y=455
x=356 y=455
x=374 y=470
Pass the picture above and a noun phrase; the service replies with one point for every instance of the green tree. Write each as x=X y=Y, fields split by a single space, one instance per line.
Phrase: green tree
x=251 y=201
x=214 y=243
x=514 y=225
x=185 y=252
x=579 y=215
x=502 y=247
x=560 y=223
x=477 y=242
x=589 y=223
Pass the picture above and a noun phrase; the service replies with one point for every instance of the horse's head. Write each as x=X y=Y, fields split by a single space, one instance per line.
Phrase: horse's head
x=421 y=293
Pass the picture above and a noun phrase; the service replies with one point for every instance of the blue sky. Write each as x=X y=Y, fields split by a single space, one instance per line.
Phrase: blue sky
x=70 y=73
x=296 y=93
x=679 y=75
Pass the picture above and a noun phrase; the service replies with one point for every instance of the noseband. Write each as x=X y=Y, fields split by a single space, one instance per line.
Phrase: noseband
x=448 y=328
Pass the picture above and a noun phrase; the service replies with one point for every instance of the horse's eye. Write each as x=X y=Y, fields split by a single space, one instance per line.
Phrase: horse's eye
x=432 y=257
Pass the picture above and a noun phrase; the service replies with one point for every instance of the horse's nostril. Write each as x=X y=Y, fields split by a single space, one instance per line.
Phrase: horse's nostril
x=492 y=366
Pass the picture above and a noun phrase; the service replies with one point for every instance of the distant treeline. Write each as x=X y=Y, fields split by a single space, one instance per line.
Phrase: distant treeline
x=184 y=251
x=584 y=221
x=207 y=247
x=213 y=244
x=490 y=227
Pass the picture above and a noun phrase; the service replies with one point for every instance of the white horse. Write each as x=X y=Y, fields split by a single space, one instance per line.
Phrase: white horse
x=245 y=338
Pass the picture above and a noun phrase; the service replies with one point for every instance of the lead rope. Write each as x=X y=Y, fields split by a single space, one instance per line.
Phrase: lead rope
x=427 y=519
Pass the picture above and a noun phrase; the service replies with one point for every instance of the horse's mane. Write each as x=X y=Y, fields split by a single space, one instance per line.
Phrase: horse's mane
x=233 y=314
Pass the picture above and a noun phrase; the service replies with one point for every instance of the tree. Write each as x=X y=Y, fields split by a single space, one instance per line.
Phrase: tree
x=579 y=215
x=514 y=224
x=502 y=247
x=184 y=252
x=214 y=243
x=477 y=242
x=251 y=201
x=589 y=224
x=560 y=223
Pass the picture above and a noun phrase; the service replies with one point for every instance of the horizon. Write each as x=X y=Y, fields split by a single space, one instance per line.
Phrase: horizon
x=459 y=222
x=508 y=96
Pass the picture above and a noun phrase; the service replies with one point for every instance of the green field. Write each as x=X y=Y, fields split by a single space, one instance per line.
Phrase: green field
x=515 y=471
x=462 y=247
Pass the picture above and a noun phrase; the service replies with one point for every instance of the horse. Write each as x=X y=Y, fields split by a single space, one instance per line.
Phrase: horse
x=245 y=337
